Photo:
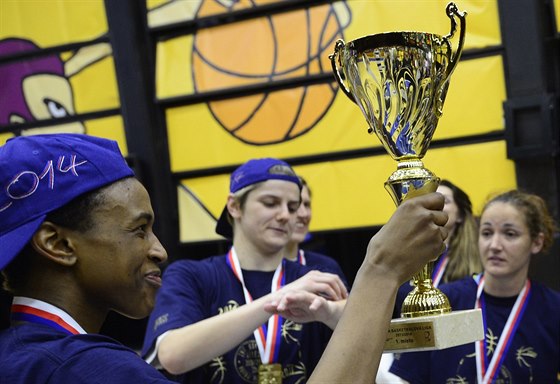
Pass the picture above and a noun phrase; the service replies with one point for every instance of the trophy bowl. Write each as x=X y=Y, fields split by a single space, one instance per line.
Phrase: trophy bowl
x=399 y=80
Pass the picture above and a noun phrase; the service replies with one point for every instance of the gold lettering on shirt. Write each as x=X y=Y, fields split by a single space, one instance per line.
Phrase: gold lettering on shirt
x=230 y=306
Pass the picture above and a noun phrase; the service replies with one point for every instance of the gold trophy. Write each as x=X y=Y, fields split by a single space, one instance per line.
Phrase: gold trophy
x=400 y=80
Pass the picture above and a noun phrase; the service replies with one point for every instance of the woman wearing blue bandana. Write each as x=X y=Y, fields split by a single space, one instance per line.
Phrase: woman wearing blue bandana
x=76 y=242
x=210 y=314
x=521 y=316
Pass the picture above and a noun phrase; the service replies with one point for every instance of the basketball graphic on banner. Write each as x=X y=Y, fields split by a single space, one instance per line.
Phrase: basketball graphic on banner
x=273 y=48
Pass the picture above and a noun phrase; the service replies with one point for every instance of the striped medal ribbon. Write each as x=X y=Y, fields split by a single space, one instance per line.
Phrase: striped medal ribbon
x=487 y=373
x=301 y=257
x=268 y=335
x=37 y=311
x=439 y=269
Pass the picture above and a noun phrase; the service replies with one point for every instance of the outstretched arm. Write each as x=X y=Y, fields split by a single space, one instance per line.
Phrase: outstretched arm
x=412 y=237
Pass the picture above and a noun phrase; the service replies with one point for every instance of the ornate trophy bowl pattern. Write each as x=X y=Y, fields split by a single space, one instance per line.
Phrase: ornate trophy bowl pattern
x=400 y=80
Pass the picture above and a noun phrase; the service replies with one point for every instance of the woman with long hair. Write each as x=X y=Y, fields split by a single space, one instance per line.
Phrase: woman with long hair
x=521 y=317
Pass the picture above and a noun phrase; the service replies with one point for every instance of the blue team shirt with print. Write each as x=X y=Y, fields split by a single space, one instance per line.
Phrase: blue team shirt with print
x=196 y=290
x=534 y=353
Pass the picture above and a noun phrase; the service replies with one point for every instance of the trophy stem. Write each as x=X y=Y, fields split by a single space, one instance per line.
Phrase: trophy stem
x=409 y=180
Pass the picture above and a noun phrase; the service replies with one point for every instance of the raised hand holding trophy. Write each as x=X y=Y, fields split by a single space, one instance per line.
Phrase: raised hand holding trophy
x=399 y=80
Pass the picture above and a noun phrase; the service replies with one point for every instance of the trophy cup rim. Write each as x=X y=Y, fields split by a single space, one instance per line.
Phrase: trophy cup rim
x=392 y=39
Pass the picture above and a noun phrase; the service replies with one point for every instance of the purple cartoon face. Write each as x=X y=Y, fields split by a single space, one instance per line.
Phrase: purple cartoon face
x=34 y=89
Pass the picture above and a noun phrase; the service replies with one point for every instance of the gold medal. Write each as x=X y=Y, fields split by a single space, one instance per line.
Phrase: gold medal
x=270 y=374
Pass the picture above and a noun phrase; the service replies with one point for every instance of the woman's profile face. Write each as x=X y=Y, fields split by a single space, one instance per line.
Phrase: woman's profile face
x=119 y=256
x=303 y=216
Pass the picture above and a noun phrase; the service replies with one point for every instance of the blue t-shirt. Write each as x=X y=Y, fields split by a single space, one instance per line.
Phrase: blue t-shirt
x=37 y=353
x=534 y=353
x=324 y=263
x=196 y=290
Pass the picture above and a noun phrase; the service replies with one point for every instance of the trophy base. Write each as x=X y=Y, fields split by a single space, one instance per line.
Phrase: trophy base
x=434 y=332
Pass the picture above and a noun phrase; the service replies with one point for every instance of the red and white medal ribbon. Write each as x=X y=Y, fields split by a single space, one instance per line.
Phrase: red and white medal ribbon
x=37 y=311
x=268 y=335
x=301 y=257
x=439 y=269
x=486 y=373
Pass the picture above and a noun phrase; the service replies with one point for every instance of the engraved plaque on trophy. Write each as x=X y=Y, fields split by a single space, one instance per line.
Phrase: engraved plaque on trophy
x=400 y=80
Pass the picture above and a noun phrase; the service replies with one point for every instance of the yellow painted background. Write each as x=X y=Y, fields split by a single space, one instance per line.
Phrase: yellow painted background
x=347 y=193
x=473 y=104
x=58 y=22
x=350 y=193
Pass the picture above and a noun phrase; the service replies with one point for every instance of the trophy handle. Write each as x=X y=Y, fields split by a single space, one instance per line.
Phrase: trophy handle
x=338 y=74
x=453 y=11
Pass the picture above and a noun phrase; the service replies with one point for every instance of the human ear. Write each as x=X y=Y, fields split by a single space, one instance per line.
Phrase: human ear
x=233 y=207
x=537 y=243
x=51 y=242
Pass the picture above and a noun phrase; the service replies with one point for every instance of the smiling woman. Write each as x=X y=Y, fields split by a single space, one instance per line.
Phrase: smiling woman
x=77 y=242
x=121 y=237
x=521 y=316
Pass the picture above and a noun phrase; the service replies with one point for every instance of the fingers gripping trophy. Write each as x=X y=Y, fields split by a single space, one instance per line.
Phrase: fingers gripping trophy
x=400 y=80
